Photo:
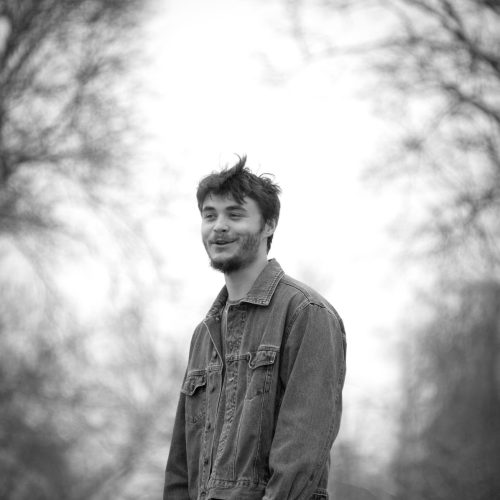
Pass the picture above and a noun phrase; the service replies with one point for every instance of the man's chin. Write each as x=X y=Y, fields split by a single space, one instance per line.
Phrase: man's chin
x=225 y=266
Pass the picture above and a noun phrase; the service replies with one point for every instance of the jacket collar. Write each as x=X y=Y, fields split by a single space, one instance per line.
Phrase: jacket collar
x=261 y=292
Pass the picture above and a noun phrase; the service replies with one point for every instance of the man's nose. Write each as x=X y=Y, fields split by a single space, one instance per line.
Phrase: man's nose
x=220 y=225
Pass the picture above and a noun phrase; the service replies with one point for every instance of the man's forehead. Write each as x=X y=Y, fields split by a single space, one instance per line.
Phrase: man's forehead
x=223 y=200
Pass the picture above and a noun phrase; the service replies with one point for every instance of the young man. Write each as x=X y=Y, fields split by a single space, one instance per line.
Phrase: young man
x=261 y=399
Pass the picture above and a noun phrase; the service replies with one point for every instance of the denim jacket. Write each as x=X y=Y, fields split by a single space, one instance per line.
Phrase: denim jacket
x=282 y=380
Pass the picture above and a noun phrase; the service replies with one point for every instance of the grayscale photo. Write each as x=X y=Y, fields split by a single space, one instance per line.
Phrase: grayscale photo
x=249 y=250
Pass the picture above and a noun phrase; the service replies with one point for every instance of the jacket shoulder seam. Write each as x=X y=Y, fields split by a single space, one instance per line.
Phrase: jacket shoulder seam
x=286 y=280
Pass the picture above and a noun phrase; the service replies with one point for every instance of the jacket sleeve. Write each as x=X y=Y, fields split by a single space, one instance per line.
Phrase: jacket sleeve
x=312 y=373
x=176 y=473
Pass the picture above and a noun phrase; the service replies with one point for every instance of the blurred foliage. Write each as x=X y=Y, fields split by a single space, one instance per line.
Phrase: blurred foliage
x=348 y=474
x=450 y=445
x=82 y=398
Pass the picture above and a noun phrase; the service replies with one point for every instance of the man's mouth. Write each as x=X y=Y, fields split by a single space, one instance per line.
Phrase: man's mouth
x=221 y=242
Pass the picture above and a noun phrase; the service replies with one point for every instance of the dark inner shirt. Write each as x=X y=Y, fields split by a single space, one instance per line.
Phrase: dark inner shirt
x=222 y=403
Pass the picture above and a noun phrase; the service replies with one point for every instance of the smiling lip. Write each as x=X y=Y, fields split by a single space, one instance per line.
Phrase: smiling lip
x=222 y=242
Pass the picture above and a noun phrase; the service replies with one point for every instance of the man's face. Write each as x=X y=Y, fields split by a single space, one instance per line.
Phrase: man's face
x=233 y=234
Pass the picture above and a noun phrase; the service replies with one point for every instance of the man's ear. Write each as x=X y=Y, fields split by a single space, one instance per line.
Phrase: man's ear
x=270 y=227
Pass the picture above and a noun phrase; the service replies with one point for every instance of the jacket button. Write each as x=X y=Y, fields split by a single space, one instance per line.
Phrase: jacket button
x=206 y=461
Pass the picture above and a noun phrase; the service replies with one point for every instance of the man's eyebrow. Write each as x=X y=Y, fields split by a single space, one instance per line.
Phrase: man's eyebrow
x=236 y=207
x=210 y=208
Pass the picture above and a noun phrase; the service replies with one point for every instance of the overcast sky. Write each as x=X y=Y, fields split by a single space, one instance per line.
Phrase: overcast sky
x=228 y=78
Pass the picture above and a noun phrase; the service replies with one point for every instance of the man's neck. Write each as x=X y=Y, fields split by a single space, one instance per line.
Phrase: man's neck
x=239 y=283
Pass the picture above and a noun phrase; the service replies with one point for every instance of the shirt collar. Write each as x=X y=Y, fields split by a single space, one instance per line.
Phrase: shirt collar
x=261 y=292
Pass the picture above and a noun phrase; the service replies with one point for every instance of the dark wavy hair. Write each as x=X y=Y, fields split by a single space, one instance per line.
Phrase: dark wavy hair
x=239 y=182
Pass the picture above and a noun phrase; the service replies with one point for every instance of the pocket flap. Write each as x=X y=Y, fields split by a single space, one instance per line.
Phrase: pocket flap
x=261 y=358
x=193 y=382
x=320 y=494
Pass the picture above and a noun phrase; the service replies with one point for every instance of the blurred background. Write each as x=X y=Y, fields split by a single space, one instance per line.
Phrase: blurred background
x=380 y=119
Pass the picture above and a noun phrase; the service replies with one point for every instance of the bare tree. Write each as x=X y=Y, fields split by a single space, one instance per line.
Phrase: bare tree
x=60 y=114
x=437 y=65
x=80 y=400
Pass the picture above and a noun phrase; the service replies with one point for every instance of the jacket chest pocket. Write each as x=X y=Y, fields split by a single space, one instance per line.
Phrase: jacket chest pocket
x=259 y=373
x=195 y=389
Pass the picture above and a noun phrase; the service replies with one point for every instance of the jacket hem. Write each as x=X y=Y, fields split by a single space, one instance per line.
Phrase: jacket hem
x=236 y=493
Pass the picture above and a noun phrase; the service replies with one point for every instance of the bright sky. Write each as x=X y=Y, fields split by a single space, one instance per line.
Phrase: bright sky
x=216 y=95
x=226 y=77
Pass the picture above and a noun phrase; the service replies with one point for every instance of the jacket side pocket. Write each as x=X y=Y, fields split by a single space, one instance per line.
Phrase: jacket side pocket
x=260 y=369
x=195 y=389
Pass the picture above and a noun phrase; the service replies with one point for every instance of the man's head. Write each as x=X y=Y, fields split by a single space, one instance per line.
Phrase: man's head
x=240 y=206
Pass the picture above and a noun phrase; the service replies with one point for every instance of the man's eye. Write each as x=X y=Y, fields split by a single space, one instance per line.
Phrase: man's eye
x=235 y=215
x=208 y=216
